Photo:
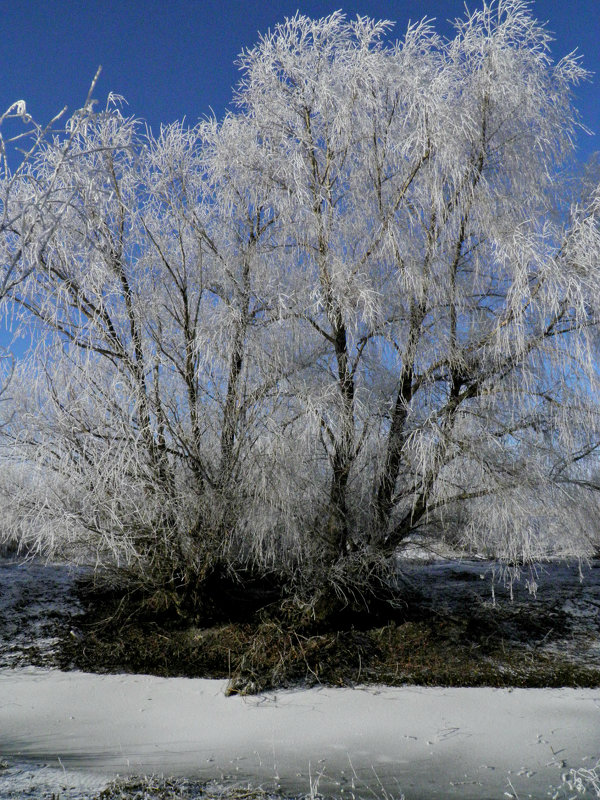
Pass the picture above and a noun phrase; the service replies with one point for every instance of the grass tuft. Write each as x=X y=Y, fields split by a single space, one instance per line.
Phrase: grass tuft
x=158 y=788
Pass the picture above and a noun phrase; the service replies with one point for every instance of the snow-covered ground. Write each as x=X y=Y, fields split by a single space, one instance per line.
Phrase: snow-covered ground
x=70 y=732
x=426 y=743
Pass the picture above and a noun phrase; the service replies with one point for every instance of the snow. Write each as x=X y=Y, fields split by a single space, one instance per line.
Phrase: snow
x=71 y=732
x=428 y=743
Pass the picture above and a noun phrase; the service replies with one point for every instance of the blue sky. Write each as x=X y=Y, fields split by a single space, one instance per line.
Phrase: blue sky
x=174 y=58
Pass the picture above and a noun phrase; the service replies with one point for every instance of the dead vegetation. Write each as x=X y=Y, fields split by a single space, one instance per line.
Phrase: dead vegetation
x=156 y=788
x=467 y=642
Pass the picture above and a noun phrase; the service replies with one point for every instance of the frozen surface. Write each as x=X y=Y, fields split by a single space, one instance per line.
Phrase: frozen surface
x=39 y=781
x=563 y=596
x=427 y=743
x=36 y=602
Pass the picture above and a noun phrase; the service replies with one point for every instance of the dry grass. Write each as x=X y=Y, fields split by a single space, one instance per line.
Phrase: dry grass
x=483 y=646
x=155 y=788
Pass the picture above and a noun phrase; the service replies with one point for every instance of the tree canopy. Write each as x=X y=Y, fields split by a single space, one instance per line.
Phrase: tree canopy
x=359 y=312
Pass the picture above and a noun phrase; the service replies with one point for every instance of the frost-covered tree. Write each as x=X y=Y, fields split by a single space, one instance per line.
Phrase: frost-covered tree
x=453 y=316
x=359 y=311
x=147 y=389
x=19 y=146
x=23 y=217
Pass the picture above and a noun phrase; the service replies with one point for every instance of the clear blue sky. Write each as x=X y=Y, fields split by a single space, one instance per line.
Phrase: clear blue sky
x=174 y=58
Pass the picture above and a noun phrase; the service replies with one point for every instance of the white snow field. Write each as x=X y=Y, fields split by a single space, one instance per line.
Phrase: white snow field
x=426 y=743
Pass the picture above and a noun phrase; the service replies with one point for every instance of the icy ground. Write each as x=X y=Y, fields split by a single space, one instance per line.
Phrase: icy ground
x=566 y=596
x=430 y=744
x=36 y=604
x=68 y=733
